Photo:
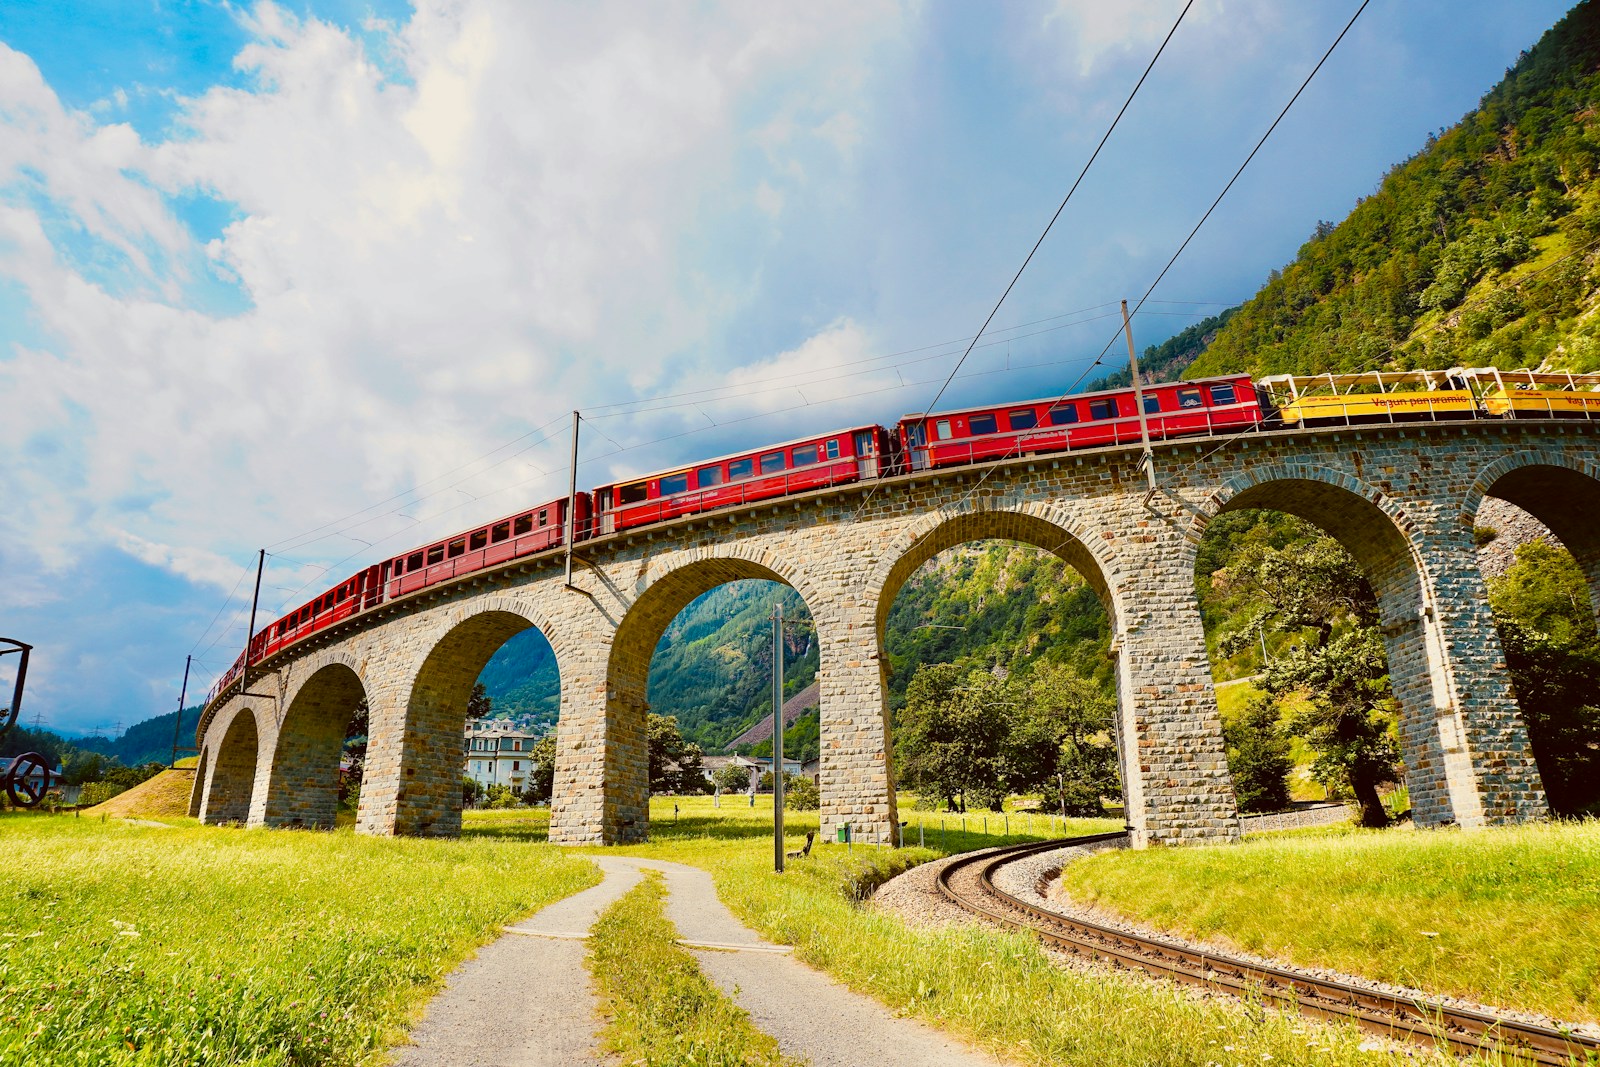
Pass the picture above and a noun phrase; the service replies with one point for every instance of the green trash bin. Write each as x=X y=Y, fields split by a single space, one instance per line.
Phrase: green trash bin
x=844 y=833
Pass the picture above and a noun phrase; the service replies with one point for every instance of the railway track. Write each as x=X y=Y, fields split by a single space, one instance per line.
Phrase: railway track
x=1440 y=1025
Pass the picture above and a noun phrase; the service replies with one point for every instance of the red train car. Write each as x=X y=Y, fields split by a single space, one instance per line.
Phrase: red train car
x=953 y=438
x=340 y=602
x=835 y=458
x=520 y=534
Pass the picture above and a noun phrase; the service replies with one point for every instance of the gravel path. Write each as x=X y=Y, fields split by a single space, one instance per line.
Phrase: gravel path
x=525 y=1000
x=811 y=1015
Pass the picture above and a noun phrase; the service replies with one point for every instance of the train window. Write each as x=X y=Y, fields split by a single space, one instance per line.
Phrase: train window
x=457 y=547
x=806 y=455
x=771 y=462
x=832 y=448
x=1025 y=419
x=1223 y=394
x=740 y=468
x=864 y=440
x=1102 y=409
x=632 y=494
x=521 y=525
x=1152 y=404
x=941 y=430
x=1189 y=398
x=479 y=539
x=500 y=532
x=283 y=628
x=1061 y=416
x=707 y=477
x=675 y=483
x=977 y=424
x=435 y=555
x=340 y=596
x=414 y=561
x=544 y=516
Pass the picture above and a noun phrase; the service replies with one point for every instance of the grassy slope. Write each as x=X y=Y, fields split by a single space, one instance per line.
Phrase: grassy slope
x=663 y=1011
x=129 y=945
x=166 y=796
x=1503 y=916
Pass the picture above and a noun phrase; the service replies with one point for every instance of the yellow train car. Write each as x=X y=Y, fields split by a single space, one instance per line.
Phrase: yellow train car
x=1378 y=396
x=1527 y=394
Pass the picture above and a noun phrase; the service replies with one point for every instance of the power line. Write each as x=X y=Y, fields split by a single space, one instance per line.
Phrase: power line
x=1048 y=226
x=1231 y=181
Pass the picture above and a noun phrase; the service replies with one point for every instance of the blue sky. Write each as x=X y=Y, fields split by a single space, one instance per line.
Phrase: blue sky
x=324 y=276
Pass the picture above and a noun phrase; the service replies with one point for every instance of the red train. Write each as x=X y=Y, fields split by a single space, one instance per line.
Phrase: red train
x=917 y=442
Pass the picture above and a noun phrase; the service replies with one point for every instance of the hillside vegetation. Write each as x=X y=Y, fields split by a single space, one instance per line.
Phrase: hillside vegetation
x=1479 y=250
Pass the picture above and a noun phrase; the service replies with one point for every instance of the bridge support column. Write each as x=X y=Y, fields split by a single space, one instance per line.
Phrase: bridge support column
x=378 y=808
x=1174 y=766
x=602 y=784
x=1466 y=747
x=855 y=759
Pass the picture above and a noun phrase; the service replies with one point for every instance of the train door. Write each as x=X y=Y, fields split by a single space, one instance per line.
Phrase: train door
x=866 y=446
x=917 y=444
x=602 y=504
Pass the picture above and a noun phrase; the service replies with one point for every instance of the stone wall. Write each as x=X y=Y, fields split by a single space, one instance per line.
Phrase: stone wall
x=1402 y=500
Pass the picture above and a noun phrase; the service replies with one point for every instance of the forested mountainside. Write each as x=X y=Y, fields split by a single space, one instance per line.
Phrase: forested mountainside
x=1167 y=361
x=1479 y=250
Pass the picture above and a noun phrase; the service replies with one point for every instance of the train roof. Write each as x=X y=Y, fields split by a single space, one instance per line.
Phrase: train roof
x=738 y=455
x=1069 y=396
x=1531 y=377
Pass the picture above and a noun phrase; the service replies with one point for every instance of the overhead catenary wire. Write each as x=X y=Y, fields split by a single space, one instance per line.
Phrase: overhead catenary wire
x=1203 y=218
x=1063 y=206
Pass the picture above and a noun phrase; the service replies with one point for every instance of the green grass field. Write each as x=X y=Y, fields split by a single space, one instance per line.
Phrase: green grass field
x=122 y=944
x=662 y=1010
x=1508 y=916
x=130 y=945
x=996 y=989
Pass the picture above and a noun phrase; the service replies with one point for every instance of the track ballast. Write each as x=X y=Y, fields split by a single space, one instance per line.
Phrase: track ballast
x=1430 y=1023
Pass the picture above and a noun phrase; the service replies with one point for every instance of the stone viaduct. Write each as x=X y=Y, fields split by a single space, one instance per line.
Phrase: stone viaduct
x=1402 y=500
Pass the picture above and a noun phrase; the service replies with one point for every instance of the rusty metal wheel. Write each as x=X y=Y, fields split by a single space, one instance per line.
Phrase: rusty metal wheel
x=24 y=792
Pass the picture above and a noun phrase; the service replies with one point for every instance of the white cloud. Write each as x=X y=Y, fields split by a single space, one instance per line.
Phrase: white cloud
x=433 y=263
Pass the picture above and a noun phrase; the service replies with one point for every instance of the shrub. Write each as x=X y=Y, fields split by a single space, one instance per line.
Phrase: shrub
x=800 y=793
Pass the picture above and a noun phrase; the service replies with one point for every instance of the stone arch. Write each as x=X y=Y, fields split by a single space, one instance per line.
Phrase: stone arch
x=1383 y=538
x=231 y=783
x=1044 y=526
x=1559 y=491
x=419 y=770
x=198 y=789
x=659 y=600
x=303 y=779
x=1049 y=527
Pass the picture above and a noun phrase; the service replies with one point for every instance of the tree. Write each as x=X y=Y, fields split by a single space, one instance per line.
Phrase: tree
x=541 y=771
x=1346 y=715
x=1309 y=589
x=800 y=793
x=471 y=791
x=1060 y=742
x=1258 y=756
x=354 y=756
x=479 y=705
x=732 y=778
x=953 y=728
x=676 y=766
x=1547 y=629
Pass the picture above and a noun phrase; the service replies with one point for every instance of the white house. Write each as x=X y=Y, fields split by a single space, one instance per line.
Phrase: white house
x=497 y=752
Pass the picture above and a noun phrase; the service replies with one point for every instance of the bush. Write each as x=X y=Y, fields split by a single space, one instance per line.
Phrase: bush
x=800 y=793
x=1258 y=757
x=98 y=793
